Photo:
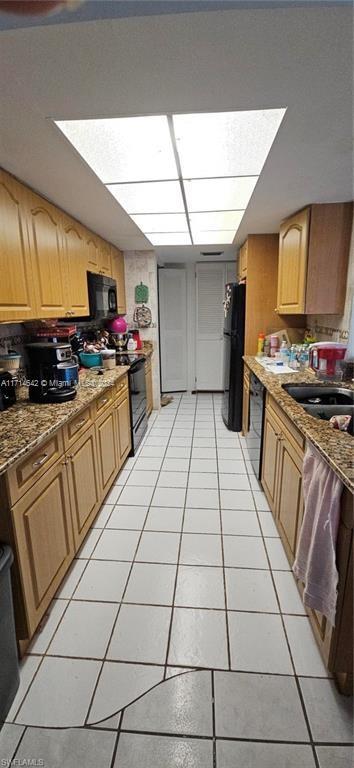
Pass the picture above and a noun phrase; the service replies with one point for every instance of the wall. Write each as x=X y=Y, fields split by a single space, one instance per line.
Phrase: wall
x=141 y=266
x=336 y=327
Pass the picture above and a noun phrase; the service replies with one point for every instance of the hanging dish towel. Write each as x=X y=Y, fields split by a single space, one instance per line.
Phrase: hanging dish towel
x=315 y=562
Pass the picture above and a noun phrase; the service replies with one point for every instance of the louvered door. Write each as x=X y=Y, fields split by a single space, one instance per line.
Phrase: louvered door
x=173 y=329
x=210 y=285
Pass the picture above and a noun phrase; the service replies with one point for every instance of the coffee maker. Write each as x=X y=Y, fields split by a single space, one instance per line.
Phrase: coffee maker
x=53 y=372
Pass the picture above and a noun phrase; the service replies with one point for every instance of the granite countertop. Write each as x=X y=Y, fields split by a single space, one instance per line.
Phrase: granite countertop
x=25 y=425
x=336 y=447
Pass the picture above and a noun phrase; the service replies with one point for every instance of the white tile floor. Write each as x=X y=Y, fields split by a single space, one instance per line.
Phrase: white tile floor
x=179 y=638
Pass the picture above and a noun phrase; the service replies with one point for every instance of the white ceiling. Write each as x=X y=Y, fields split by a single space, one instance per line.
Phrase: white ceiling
x=299 y=58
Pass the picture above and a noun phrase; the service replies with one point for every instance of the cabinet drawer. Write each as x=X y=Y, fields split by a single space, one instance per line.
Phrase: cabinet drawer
x=104 y=400
x=286 y=423
x=23 y=475
x=121 y=387
x=77 y=426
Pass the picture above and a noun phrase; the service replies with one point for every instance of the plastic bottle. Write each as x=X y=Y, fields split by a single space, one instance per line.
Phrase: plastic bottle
x=284 y=353
x=274 y=345
x=260 y=345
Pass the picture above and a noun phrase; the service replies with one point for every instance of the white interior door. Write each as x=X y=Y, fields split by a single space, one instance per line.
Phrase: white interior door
x=173 y=329
x=210 y=287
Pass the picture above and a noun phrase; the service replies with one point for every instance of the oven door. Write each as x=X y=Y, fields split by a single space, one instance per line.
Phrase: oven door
x=137 y=390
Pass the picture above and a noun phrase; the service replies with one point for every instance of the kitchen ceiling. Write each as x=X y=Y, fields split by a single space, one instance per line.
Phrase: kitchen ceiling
x=227 y=61
x=191 y=151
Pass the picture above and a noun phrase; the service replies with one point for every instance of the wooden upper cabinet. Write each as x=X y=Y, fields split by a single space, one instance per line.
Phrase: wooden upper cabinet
x=17 y=296
x=105 y=258
x=313 y=260
x=242 y=261
x=48 y=256
x=118 y=275
x=293 y=248
x=92 y=252
x=76 y=267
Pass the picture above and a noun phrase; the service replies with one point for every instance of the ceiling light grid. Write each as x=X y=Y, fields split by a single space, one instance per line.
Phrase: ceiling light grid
x=183 y=179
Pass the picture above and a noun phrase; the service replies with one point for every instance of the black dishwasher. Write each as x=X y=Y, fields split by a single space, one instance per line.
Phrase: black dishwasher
x=254 y=438
x=9 y=670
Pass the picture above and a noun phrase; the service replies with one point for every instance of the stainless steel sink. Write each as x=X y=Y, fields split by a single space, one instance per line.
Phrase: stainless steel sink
x=323 y=402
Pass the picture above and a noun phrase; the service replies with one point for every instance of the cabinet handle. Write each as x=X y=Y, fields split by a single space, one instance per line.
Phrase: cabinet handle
x=40 y=461
x=104 y=401
x=80 y=424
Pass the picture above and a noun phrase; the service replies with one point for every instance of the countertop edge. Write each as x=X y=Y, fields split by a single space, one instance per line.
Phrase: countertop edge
x=319 y=433
x=114 y=376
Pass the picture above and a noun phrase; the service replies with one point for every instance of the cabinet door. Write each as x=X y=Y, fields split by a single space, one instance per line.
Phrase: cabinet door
x=148 y=382
x=48 y=257
x=92 y=252
x=123 y=425
x=108 y=448
x=44 y=541
x=289 y=504
x=271 y=435
x=243 y=261
x=119 y=276
x=83 y=484
x=292 y=272
x=17 y=295
x=76 y=274
x=105 y=258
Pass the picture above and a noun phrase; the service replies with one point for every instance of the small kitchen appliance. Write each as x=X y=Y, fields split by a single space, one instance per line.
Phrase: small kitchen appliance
x=53 y=372
x=103 y=300
x=325 y=357
x=7 y=390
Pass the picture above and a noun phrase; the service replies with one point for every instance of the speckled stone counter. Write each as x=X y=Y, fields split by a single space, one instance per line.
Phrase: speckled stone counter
x=26 y=424
x=336 y=447
x=147 y=350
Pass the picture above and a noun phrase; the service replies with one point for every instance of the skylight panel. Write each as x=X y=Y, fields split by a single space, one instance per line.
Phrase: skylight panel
x=214 y=237
x=164 y=222
x=149 y=197
x=124 y=148
x=219 y=194
x=225 y=143
x=169 y=238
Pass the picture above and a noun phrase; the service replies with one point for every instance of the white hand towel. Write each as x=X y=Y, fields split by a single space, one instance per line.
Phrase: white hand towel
x=315 y=562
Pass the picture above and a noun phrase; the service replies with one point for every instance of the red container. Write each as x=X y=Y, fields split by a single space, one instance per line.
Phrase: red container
x=136 y=337
x=324 y=356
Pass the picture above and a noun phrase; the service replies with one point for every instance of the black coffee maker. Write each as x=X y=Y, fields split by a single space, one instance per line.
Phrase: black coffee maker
x=53 y=372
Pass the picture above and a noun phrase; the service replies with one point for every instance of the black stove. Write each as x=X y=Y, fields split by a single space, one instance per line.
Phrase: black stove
x=137 y=389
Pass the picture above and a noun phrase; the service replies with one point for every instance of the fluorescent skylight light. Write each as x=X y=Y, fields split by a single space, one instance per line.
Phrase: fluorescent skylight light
x=164 y=222
x=214 y=237
x=225 y=143
x=169 y=238
x=219 y=194
x=124 y=148
x=216 y=220
x=150 y=197
x=180 y=175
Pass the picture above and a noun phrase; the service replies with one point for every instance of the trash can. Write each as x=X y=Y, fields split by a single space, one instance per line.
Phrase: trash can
x=9 y=668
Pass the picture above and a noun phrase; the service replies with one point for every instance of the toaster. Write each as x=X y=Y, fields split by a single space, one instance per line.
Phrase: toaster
x=7 y=391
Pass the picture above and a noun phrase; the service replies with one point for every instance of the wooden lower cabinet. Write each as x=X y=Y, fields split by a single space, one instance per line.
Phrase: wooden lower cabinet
x=148 y=382
x=289 y=495
x=83 y=476
x=282 y=483
x=108 y=448
x=44 y=540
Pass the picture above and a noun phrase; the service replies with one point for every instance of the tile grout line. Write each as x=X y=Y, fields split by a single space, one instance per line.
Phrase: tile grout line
x=213 y=717
x=121 y=600
x=222 y=548
x=180 y=540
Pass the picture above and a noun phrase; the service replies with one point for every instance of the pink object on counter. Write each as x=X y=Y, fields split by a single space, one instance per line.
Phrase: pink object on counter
x=315 y=562
x=118 y=325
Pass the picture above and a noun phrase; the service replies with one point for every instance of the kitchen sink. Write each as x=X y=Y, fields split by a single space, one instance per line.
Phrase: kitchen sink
x=325 y=401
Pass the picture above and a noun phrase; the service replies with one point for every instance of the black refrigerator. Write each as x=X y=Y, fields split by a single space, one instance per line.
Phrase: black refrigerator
x=234 y=336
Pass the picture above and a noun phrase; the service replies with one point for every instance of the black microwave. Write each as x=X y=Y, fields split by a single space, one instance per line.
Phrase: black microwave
x=102 y=292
